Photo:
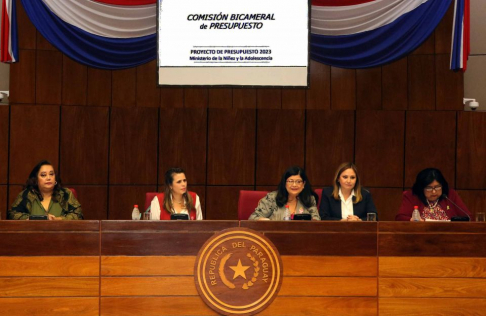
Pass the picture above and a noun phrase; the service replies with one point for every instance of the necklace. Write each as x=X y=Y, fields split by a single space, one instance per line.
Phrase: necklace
x=431 y=207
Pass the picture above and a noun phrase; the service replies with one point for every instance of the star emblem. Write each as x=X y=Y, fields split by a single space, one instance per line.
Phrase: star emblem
x=239 y=270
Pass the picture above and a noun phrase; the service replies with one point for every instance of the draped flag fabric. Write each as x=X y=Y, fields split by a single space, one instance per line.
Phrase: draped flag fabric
x=460 y=36
x=9 y=50
x=116 y=34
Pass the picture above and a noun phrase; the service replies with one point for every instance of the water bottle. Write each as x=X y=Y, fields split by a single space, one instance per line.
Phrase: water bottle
x=135 y=213
x=416 y=214
x=287 y=213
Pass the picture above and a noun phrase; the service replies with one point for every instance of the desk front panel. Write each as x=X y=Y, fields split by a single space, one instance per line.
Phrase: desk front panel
x=49 y=268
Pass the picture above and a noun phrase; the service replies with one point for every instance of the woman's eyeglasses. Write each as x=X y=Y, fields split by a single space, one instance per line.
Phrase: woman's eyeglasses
x=436 y=188
x=292 y=182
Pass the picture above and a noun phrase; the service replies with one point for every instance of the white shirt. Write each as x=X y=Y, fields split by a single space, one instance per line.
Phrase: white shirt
x=155 y=209
x=346 y=205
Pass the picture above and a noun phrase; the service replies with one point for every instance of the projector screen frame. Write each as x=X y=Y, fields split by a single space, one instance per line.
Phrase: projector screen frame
x=250 y=86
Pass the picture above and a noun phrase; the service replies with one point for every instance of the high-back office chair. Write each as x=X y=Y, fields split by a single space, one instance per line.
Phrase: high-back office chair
x=247 y=202
x=149 y=196
x=319 y=193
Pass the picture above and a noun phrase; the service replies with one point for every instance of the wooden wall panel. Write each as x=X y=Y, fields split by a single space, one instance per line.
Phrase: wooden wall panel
x=124 y=87
x=395 y=85
x=435 y=133
x=133 y=146
x=231 y=147
x=220 y=98
x=269 y=98
x=183 y=143
x=343 y=89
x=474 y=200
x=421 y=82
x=443 y=32
x=319 y=92
x=22 y=78
x=471 y=150
x=123 y=198
x=427 y=47
x=42 y=43
x=30 y=145
x=449 y=85
x=52 y=306
x=293 y=99
x=222 y=202
x=3 y=202
x=387 y=202
x=74 y=82
x=196 y=97
x=380 y=147
x=4 y=129
x=280 y=144
x=28 y=32
x=94 y=201
x=48 y=77
x=84 y=144
x=99 y=87
x=171 y=97
x=368 y=89
x=244 y=98
x=148 y=94
x=328 y=145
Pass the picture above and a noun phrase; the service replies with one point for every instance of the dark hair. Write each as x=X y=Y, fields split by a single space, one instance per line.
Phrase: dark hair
x=168 y=179
x=304 y=196
x=33 y=185
x=426 y=177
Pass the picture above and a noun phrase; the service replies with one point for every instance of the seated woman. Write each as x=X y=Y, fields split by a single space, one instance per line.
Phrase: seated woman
x=346 y=200
x=176 y=199
x=293 y=190
x=431 y=193
x=44 y=195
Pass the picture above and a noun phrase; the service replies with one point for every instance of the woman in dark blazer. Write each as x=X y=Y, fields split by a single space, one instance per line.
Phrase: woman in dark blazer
x=346 y=200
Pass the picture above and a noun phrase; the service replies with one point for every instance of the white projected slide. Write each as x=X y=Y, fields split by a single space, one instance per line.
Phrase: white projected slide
x=233 y=42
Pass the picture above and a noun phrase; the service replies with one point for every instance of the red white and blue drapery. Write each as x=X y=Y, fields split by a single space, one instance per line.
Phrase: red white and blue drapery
x=117 y=34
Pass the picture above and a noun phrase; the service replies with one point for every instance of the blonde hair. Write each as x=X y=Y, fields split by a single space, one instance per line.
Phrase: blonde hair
x=357 y=187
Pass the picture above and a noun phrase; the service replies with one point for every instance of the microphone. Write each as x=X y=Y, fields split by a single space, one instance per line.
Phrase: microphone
x=446 y=197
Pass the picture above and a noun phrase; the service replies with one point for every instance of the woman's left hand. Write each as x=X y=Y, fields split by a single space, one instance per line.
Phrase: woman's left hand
x=53 y=218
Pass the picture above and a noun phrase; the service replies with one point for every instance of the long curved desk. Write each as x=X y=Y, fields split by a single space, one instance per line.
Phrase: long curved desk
x=330 y=268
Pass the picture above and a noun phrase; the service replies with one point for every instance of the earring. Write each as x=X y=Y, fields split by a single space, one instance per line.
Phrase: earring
x=55 y=183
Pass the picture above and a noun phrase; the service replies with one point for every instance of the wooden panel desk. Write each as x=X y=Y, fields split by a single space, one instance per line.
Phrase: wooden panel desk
x=432 y=268
x=330 y=268
x=49 y=268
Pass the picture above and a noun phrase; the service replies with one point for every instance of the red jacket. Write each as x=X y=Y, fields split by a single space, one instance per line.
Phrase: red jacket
x=165 y=215
x=409 y=201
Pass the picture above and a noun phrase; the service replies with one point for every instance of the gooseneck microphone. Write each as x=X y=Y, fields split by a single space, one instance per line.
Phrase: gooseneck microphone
x=446 y=197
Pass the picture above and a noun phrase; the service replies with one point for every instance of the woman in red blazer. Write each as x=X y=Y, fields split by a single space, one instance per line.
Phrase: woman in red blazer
x=434 y=198
x=176 y=199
